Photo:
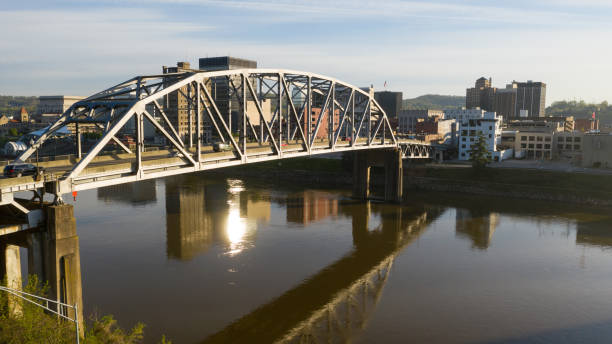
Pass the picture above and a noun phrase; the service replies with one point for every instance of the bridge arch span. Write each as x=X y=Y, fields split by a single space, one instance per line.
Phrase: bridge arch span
x=152 y=126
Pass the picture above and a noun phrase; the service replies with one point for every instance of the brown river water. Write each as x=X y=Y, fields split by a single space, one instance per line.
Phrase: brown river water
x=218 y=260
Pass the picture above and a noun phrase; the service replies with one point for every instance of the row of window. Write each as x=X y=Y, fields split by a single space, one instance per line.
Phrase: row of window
x=536 y=146
x=536 y=138
x=472 y=139
x=567 y=147
x=547 y=146
x=472 y=133
x=568 y=139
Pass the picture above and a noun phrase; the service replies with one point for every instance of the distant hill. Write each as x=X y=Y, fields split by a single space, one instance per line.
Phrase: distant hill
x=581 y=109
x=434 y=101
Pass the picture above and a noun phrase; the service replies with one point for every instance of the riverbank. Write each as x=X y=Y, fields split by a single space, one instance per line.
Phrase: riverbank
x=516 y=183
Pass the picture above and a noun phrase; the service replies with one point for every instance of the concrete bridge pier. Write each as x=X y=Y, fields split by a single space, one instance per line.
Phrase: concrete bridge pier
x=391 y=160
x=62 y=258
x=53 y=255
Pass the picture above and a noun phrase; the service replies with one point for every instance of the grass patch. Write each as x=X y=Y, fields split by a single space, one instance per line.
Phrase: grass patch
x=24 y=322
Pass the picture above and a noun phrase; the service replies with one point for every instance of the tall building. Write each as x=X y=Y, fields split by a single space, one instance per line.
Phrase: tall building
x=530 y=99
x=176 y=106
x=505 y=102
x=221 y=88
x=391 y=102
x=517 y=100
x=482 y=95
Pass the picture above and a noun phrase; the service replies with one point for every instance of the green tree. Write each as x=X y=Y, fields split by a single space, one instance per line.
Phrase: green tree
x=13 y=132
x=479 y=153
x=32 y=325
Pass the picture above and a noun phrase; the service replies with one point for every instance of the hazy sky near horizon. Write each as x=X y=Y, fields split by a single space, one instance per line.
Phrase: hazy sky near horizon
x=418 y=47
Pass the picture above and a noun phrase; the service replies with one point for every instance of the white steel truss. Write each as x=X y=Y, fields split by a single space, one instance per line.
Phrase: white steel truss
x=305 y=114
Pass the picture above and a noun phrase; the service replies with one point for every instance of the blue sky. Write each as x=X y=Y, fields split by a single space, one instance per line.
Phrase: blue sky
x=418 y=47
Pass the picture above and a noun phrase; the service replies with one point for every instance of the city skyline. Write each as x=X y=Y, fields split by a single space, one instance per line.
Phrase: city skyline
x=440 y=47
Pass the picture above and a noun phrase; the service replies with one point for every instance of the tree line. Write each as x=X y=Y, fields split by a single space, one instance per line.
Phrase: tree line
x=12 y=104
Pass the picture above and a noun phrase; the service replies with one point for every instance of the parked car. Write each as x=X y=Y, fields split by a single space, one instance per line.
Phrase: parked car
x=18 y=170
x=221 y=147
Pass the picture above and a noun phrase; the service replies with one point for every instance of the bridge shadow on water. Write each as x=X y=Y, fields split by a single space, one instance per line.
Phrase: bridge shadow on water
x=334 y=304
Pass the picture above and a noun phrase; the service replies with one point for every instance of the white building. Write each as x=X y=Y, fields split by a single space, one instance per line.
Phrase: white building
x=475 y=122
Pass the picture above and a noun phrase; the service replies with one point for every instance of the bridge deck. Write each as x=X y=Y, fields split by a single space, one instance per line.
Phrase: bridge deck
x=114 y=169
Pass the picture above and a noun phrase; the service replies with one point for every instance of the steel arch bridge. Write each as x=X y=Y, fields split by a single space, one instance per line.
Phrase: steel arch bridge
x=306 y=114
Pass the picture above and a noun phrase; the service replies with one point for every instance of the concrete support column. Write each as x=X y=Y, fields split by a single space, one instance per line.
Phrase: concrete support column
x=393 y=176
x=361 y=175
x=11 y=265
x=62 y=259
x=35 y=255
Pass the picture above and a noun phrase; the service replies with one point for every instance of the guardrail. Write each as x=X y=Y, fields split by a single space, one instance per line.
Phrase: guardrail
x=62 y=307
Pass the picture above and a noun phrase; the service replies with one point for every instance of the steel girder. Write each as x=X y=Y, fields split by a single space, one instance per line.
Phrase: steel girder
x=305 y=114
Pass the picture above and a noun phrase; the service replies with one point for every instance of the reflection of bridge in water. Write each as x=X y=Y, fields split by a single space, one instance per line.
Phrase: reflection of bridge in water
x=331 y=306
x=336 y=302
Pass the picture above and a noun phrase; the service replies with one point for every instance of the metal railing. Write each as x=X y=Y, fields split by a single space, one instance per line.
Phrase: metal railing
x=62 y=308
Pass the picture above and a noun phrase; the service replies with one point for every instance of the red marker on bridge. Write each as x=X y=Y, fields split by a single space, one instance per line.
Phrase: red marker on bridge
x=74 y=194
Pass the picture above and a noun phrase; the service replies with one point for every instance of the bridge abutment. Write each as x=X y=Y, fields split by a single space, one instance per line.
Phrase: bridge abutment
x=62 y=257
x=391 y=160
x=53 y=255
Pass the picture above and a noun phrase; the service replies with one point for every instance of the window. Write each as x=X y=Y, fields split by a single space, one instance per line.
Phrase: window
x=569 y=139
x=463 y=146
x=577 y=147
x=531 y=145
x=523 y=145
x=531 y=138
x=547 y=146
x=464 y=132
x=490 y=136
x=560 y=139
x=471 y=139
x=540 y=139
x=490 y=128
x=576 y=139
x=523 y=138
x=463 y=139
x=462 y=154
x=472 y=132
x=559 y=146
x=568 y=146
x=539 y=146
x=547 y=139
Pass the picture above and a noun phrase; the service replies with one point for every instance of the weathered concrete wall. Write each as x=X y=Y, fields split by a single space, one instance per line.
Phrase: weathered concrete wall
x=62 y=257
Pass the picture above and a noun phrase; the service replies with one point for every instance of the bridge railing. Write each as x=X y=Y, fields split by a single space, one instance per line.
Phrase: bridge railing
x=60 y=309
